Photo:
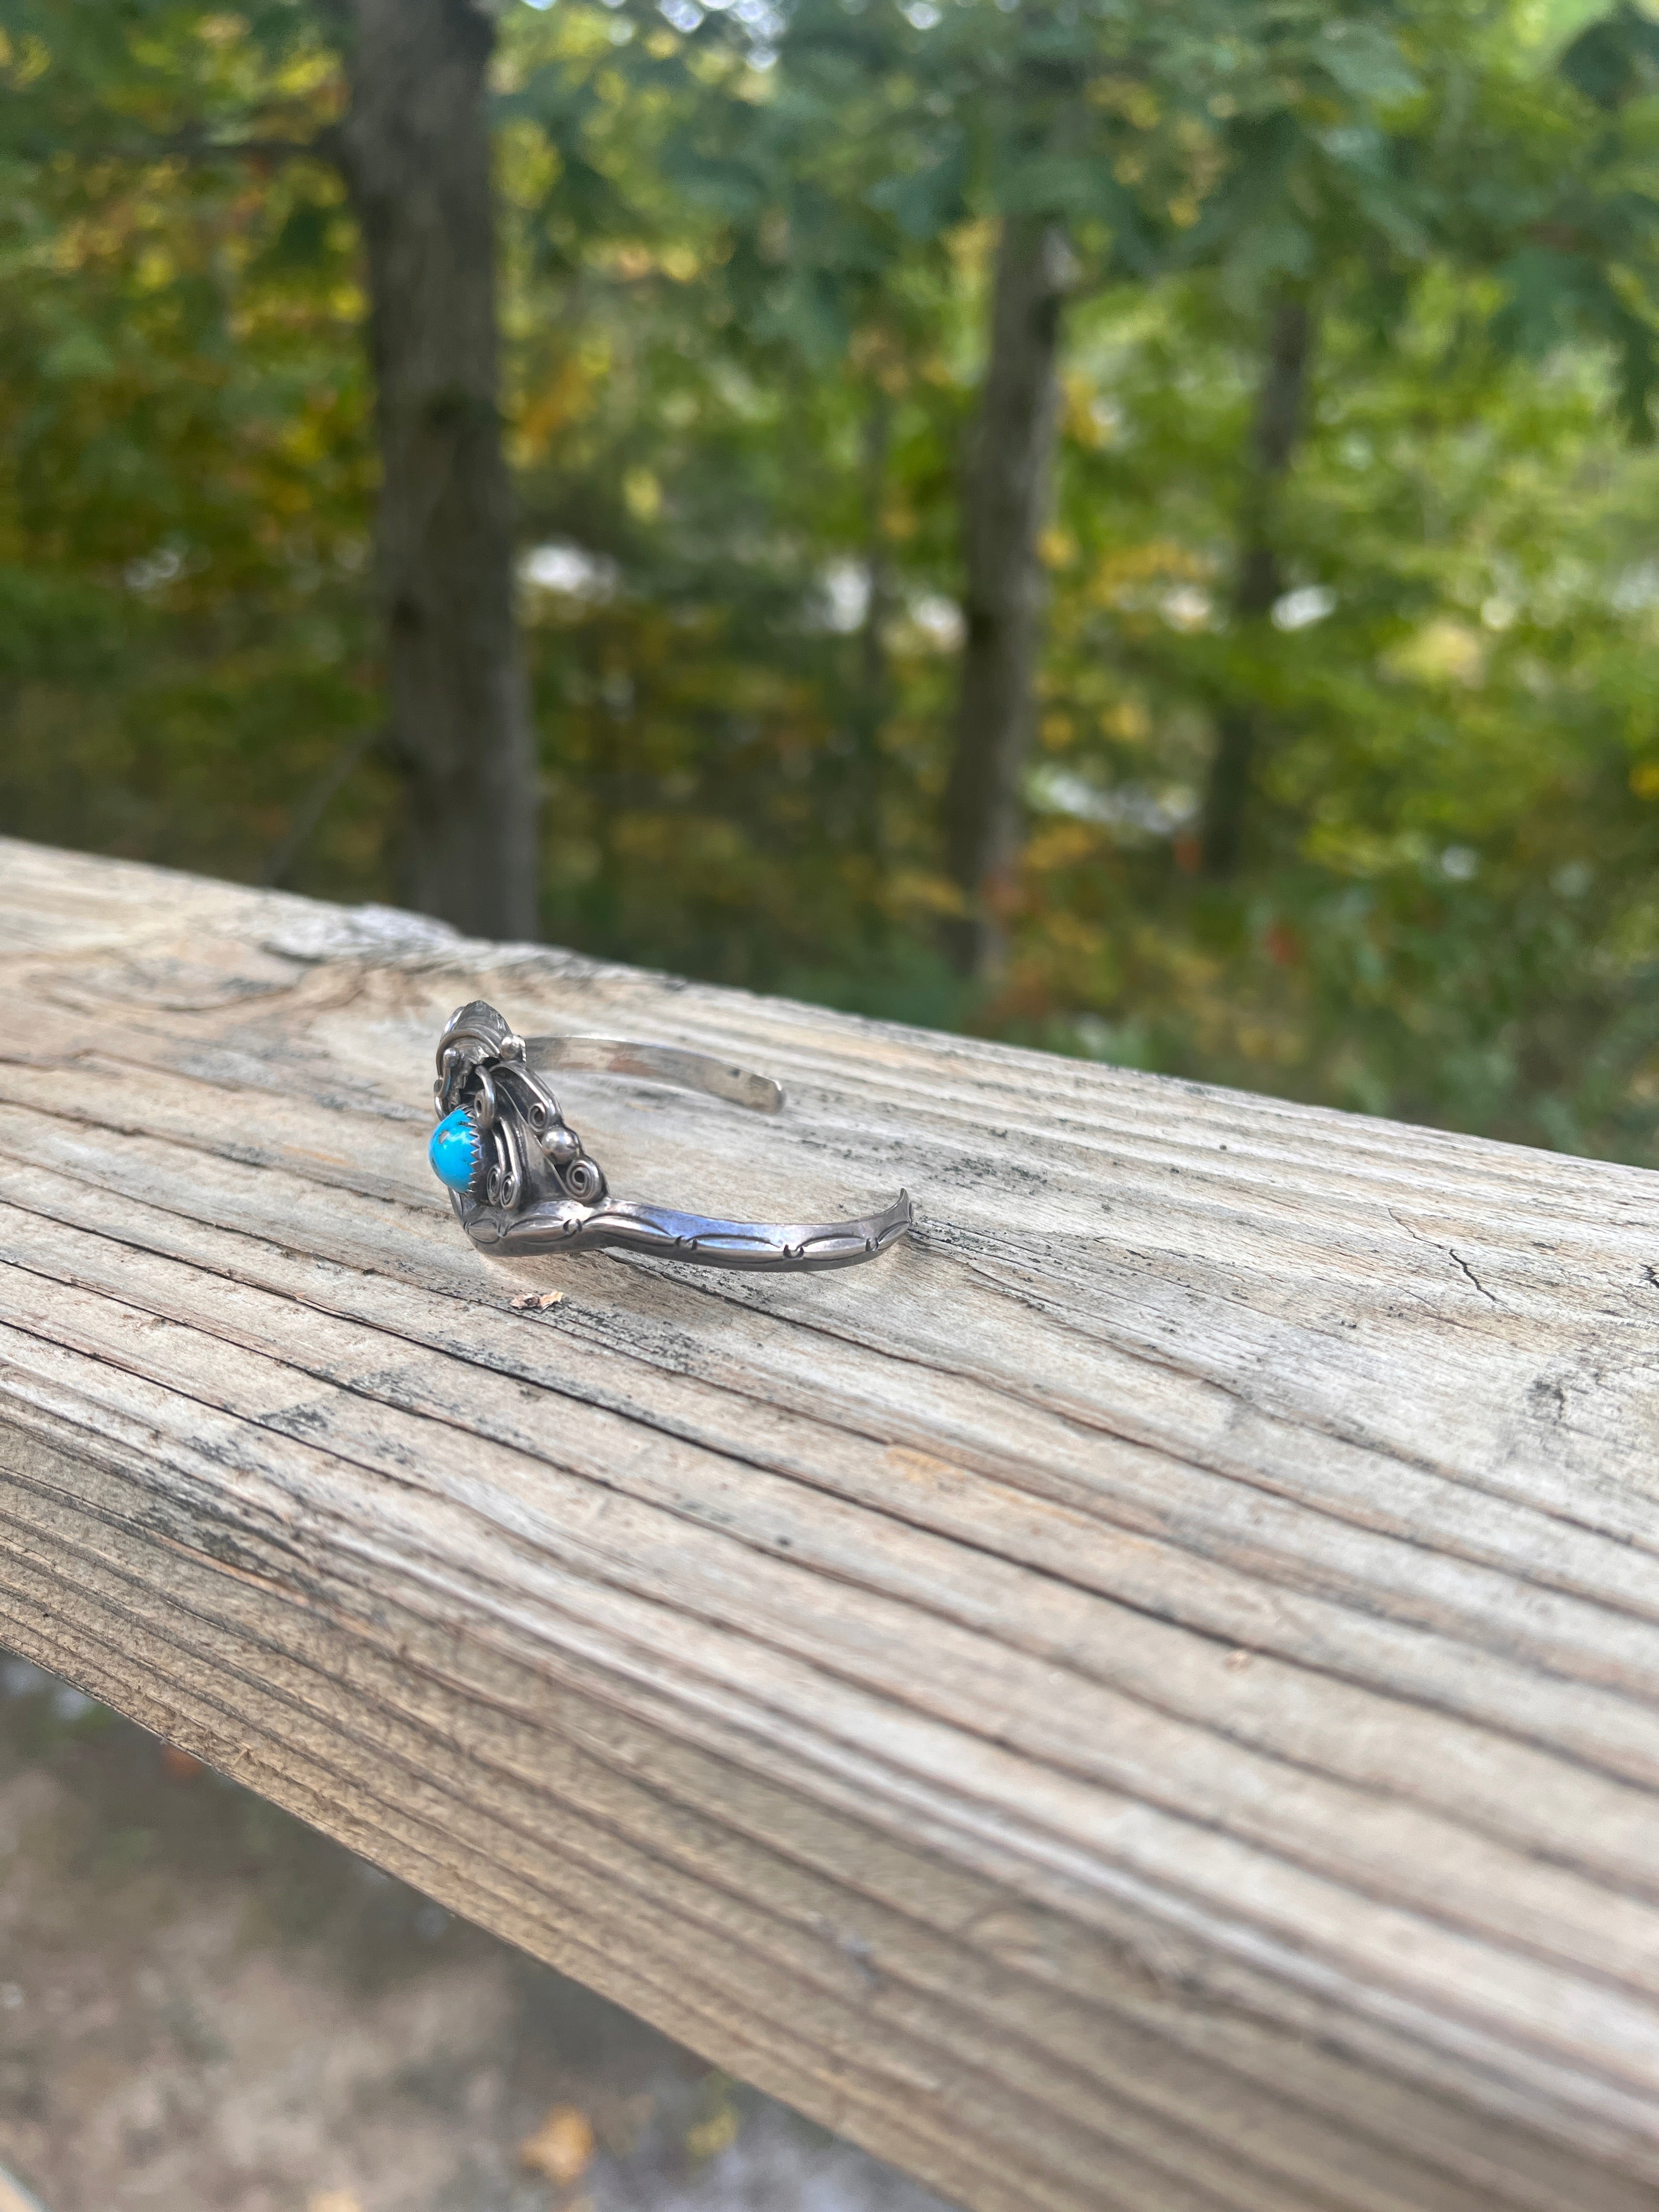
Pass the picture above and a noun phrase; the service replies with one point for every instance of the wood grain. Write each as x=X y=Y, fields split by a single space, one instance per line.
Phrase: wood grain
x=1146 y=1697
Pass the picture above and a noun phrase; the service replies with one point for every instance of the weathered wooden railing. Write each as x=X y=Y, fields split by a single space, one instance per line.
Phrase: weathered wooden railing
x=1145 y=1697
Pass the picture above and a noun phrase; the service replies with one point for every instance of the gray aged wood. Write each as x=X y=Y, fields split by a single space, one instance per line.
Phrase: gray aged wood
x=1143 y=1698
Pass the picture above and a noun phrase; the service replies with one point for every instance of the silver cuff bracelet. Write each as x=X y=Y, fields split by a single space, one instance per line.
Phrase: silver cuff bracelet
x=521 y=1182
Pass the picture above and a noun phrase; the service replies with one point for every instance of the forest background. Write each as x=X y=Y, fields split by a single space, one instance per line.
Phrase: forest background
x=1130 y=529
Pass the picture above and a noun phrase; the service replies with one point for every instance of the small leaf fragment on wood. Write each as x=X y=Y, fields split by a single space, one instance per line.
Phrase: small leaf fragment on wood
x=537 y=1301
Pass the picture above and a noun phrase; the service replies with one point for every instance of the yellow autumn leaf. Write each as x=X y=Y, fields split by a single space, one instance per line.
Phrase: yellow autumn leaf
x=711 y=2136
x=561 y=2148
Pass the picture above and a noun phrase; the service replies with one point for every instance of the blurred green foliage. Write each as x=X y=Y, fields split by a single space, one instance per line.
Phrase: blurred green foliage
x=744 y=267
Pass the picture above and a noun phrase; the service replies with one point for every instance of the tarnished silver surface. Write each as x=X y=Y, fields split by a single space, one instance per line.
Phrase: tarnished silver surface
x=536 y=1190
x=657 y=1063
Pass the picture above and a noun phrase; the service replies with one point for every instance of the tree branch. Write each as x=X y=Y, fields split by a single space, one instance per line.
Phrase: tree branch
x=314 y=803
x=326 y=144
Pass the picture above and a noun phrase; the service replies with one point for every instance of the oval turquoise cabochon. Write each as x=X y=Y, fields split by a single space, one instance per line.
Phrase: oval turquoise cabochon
x=454 y=1151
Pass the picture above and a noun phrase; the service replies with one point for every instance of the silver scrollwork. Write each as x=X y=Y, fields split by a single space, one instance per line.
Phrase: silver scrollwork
x=530 y=1186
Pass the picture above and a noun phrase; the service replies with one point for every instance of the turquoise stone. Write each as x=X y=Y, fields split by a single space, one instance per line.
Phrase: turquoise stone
x=454 y=1151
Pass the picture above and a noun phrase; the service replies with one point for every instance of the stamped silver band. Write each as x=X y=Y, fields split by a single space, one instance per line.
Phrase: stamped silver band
x=521 y=1182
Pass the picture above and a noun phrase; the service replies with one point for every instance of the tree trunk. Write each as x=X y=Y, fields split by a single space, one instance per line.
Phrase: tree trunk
x=418 y=156
x=874 y=677
x=1005 y=503
x=1259 y=580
